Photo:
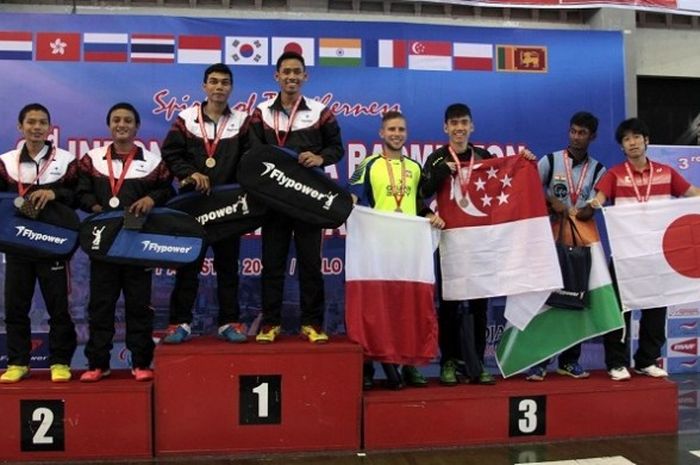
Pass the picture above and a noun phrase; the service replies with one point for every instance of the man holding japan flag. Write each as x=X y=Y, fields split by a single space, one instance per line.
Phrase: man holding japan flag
x=652 y=245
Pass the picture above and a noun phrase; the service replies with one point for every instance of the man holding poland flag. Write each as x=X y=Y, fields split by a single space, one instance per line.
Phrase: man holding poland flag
x=652 y=246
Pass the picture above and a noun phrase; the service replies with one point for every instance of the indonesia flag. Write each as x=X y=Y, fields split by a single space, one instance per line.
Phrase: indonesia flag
x=477 y=57
x=429 y=55
x=304 y=46
x=203 y=50
x=498 y=240
x=392 y=54
x=389 y=286
x=105 y=47
x=656 y=251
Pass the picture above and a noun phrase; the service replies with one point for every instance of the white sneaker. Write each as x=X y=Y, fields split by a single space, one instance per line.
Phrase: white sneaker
x=619 y=374
x=653 y=371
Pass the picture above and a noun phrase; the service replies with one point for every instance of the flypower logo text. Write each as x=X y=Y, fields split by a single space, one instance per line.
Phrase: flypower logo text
x=241 y=203
x=150 y=246
x=290 y=183
x=23 y=231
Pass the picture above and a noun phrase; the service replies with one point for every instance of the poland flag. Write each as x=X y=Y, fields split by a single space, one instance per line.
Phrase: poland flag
x=389 y=286
x=656 y=250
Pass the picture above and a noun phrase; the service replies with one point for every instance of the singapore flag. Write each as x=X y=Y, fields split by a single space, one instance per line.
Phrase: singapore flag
x=656 y=251
x=498 y=239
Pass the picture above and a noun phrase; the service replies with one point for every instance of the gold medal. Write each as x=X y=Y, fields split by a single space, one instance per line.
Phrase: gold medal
x=19 y=201
x=114 y=202
x=211 y=162
x=463 y=202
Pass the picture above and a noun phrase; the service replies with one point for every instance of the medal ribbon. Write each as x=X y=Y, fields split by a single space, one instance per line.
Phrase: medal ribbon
x=634 y=182
x=463 y=179
x=282 y=140
x=210 y=148
x=397 y=192
x=22 y=188
x=114 y=184
x=574 y=193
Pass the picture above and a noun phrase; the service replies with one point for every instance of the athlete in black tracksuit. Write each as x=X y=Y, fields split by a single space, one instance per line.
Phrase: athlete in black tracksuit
x=184 y=152
x=21 y=273
x=147 y=183
x=314 y=129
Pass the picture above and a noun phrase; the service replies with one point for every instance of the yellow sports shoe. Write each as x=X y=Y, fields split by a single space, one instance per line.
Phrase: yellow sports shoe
x=314 y=335
x=268 y=334
x=60 y=373
x=14 y=374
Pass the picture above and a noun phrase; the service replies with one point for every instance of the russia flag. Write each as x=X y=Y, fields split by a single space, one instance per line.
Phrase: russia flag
x=105 y=47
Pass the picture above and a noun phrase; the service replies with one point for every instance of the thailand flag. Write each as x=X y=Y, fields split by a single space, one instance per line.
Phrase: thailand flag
x=203 y=50
x=389 y=286
x=16 y=45
x=152 y=48
x=105 y=47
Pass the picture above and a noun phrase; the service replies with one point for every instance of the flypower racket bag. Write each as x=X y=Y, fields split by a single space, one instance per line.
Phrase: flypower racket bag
x=53 y=235
x=168 y=238
x=274 y=176
x=227 y=211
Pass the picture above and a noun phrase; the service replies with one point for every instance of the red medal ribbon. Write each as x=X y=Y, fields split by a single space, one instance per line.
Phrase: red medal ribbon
x=114 y=184
x=397 y=192
x=574 y=193
x=634 y=183
x=463 y=179
x=22 y=188
x=210 y=148
x=282 y=140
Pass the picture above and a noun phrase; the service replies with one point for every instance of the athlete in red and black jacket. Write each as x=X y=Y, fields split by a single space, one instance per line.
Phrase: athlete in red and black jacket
x=310 y=129
x=40 y=173
x=202 y=149
x=120 y=176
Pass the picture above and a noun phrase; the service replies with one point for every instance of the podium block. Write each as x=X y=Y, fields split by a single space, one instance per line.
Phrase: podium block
x=42 y=420
x=213 y=397
x=516 y=410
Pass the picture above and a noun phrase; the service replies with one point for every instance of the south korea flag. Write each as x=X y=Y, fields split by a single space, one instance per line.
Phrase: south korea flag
x=247 y=51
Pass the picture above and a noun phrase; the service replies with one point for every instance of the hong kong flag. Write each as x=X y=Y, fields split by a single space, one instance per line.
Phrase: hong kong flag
x=58 y=46
x=656 y=251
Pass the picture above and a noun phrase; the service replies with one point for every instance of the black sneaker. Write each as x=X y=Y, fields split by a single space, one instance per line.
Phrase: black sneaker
x=413 y=377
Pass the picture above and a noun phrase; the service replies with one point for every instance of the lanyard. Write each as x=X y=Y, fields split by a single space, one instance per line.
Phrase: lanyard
x=210 y=148
x=574 y=193
x=116 y=184
x=22 y=188
x=282 y=140
x=634 y=182
x=399 y=191
x=463 y=179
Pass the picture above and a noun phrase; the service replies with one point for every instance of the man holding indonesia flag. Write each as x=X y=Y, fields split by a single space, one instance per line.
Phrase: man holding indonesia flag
x=652 y=245
x=568 y=177
x=497 y=235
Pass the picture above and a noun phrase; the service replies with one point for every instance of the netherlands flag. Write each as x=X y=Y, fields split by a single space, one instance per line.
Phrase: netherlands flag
x=105 y=47
x=16 y=45
x=203 y=50
x=152 y=48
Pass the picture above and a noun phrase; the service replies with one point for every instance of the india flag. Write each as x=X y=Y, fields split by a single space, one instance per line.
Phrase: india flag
x=340 y=52
x=389 y=286
x=554 y=330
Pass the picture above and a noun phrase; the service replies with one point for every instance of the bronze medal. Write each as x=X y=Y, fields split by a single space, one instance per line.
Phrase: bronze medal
x=463 y=202
x=398 y=210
